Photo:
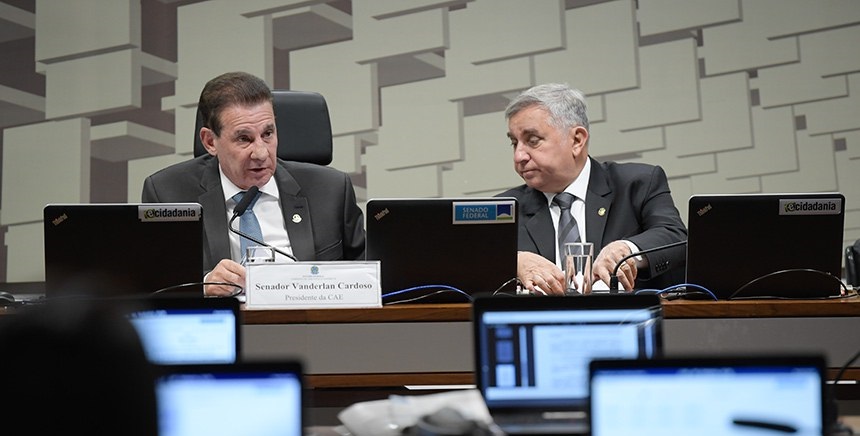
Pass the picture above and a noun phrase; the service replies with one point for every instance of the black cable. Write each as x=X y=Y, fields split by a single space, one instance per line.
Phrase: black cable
x=613 y=281
x=785 y=271
x=187 y=285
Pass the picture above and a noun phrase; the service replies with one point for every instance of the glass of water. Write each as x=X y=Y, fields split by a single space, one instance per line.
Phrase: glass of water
x=578 y=257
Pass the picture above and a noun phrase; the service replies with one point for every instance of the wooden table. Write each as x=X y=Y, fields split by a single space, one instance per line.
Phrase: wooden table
x=431 y=344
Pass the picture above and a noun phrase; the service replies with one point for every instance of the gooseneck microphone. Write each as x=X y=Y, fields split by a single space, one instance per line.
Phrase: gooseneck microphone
x=613 y=281
x=240 y=210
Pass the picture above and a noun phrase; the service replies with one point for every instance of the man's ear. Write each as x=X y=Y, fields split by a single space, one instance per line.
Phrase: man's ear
x=579 y=140
x=207 y=137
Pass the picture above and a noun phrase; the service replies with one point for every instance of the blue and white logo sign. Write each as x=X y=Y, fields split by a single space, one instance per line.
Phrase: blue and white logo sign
x=484 y=212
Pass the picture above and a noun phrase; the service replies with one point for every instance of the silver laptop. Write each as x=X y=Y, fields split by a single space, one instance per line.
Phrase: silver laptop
x=532 y=354
x=708 y=396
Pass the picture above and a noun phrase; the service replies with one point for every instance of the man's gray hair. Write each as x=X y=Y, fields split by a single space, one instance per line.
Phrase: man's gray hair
x=566 y=105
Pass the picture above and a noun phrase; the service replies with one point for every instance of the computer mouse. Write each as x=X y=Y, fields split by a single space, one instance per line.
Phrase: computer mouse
x=6 y=298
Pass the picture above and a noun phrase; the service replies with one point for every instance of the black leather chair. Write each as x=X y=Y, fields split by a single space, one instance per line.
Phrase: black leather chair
x=852 y=264
x=304 y=127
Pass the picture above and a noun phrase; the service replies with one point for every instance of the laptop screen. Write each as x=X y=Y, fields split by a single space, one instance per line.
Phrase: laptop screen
x=708 y=396
x=533 y=352
x=177 y=331
x=795 y=240
x=431 y=248
x=122 y=249
x=243 y=398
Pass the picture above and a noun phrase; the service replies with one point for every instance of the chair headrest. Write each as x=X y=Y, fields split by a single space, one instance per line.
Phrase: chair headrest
x=304 y=127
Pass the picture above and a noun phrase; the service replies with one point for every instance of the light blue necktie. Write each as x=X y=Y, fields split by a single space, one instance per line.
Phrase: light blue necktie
x=568 y=231
x=248 y=224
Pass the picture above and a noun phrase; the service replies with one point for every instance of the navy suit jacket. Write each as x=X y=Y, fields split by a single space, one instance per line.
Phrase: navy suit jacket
x=628 y=201
x=331 y=225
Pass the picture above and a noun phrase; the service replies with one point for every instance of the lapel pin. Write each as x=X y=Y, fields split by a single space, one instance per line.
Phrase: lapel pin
x=601 y=211
x=297 y=218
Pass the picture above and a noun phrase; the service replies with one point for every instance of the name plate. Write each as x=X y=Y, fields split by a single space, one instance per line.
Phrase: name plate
x=313 y=285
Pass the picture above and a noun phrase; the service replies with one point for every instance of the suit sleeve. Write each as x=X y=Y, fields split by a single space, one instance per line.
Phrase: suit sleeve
x=662 y=225
x=148 y=195
x=353 y=224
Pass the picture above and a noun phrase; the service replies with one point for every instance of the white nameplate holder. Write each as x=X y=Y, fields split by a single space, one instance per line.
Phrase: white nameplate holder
x=272 y=284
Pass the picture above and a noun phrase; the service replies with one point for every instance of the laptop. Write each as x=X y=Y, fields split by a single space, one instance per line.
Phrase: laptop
x=185 y=331
x=123 y=249
x=436 y=250
x=708 y=396
x=252 y=398
x=766 y=245
x=532 y=354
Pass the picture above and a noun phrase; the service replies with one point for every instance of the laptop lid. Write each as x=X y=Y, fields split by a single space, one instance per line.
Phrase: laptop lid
x=766 y=245
x=122 y=249
x=431 y=248
x=532 y=353
x=708 y=396
x=253 y=398
x=184 y=331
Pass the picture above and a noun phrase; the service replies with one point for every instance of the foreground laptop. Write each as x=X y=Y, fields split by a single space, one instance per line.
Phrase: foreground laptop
x=184 y=331
x=442 y=249
x=708 y=396
x=766 y=245
x=122 y=249
x=532 y=354
x=260 y=398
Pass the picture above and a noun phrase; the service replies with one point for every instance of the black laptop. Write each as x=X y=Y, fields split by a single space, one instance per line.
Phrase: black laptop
x=532 y=354
x=766 y=245
x=123 y=249
x=712 y=396
x=443 y=249
x=247 y=398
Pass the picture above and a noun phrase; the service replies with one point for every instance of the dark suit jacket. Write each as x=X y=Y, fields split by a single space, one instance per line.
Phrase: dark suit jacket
x=636 y=205
x=331 y=228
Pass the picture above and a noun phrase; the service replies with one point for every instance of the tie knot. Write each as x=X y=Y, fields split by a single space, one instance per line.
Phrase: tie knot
x=238 y=198
x=564 y=200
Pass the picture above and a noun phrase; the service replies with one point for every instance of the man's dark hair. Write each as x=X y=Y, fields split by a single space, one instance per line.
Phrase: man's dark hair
x=230 y=89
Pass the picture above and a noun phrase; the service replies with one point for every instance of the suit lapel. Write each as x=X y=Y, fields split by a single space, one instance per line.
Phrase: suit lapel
x=597 y=203
x=214 y=212
x=297 y=215
x=538 y=223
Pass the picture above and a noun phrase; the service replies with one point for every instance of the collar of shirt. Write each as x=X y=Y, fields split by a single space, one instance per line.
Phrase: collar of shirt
x=579 y=186
x=230 y=189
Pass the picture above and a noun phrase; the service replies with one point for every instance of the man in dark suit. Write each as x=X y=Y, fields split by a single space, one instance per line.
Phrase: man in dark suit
x=620 y=208
x=304 y=209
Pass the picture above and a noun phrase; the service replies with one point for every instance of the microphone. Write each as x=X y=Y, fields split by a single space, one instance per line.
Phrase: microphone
x=240 y=209
x=613 y=281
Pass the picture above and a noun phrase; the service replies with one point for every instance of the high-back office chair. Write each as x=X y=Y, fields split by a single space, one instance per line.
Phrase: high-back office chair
x=303 y=123
x=852 y=264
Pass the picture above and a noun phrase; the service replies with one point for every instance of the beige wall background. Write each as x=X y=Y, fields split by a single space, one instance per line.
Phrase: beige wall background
x=729 y=96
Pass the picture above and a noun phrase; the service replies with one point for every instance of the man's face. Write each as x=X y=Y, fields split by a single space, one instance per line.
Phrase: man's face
x=248 y=144
x=546 y=157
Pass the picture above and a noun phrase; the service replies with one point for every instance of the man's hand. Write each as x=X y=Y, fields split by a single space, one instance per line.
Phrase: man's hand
x=539 y=275
x=608 y=258
x=227 y=271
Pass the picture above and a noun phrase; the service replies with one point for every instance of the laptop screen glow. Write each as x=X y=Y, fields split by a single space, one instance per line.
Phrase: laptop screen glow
x=187 y=336
x=211 y=402
x=542 y=357
x=706 y=400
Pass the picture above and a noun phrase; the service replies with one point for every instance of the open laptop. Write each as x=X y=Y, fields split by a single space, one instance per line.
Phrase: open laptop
x=122 y=249
x=442 y=249
x=766 y=245
x=532 y=354
x=184 y=331
x=252 y=398
x=708 y=396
